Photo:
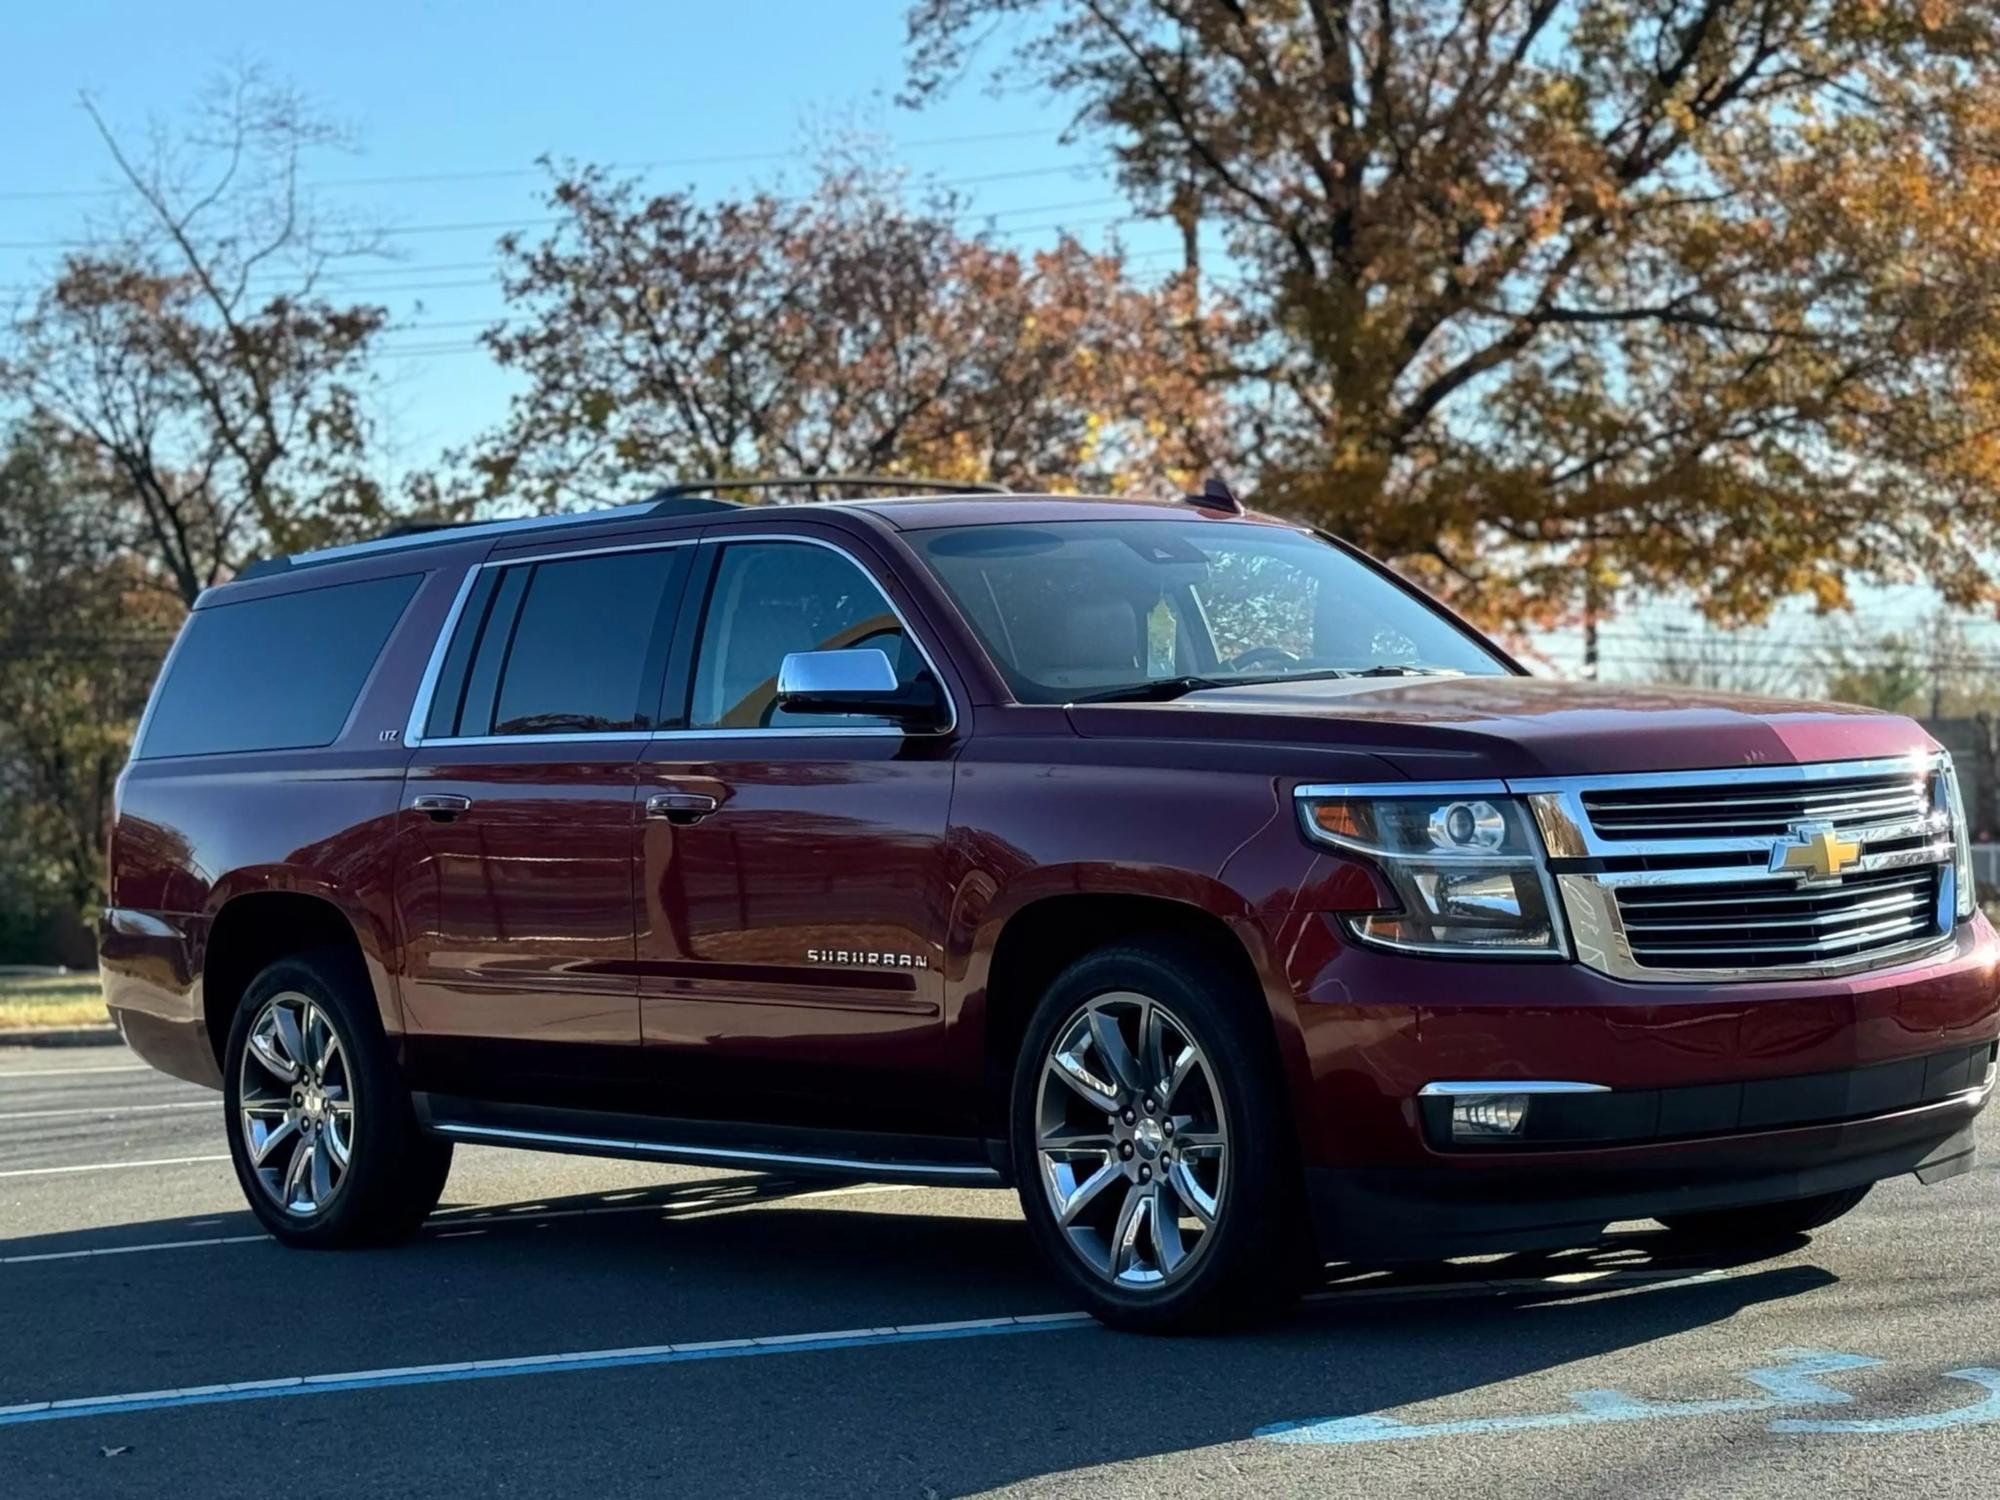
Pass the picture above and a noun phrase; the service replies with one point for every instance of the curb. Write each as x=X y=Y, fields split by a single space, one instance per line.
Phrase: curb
x=62 y=1036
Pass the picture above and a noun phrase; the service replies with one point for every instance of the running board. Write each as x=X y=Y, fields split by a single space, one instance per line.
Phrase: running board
x=855 y=1155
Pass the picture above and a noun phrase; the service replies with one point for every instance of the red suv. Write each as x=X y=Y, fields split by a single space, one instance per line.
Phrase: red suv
x=1183 y=868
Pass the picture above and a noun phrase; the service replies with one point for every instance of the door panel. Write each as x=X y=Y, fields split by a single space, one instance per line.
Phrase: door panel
x=515 y=869
x=790 y=941
x=517 y=912
x=789 y=895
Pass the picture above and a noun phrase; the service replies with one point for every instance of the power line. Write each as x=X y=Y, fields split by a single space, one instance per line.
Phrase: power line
x=453 y=347
x=1914 y=651
x=495 y=174
x=469 y=226
x=430 y=327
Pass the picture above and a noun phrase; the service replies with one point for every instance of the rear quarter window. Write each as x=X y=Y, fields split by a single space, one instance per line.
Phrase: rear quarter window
x=279 y=673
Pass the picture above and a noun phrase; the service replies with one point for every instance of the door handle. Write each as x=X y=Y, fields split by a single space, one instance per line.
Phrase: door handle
x=680 y=807
x=441 y=806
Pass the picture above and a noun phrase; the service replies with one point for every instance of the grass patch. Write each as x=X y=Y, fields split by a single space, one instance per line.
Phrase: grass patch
x=67 y=1000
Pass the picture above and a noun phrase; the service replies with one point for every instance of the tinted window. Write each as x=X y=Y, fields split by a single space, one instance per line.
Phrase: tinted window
x=773 y=598
x=572 y=646
x=280 y=673
x=1080 y=607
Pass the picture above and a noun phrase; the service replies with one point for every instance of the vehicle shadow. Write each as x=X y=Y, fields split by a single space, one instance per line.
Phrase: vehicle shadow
x=740 y=1256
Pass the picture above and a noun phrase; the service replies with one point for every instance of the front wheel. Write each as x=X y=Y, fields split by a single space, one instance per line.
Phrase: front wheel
x=1150 y=1147
x=325 y=1143
x=1764 y=1223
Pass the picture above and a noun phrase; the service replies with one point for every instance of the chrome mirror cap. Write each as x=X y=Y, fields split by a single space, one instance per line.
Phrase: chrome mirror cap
x=864 y=673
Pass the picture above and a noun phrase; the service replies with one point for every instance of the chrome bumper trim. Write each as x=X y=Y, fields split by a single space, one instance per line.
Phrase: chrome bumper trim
x=1458 y=1090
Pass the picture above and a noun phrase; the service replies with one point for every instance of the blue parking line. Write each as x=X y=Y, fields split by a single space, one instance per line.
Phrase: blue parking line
x=1793 y=1384
x=1975 y=1415
x=541 y=1364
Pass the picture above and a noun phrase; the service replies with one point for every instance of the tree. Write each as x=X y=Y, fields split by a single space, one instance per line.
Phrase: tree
x=190 y=345
x=1887 y=673
x=1930 y=672
x=1724 y=664
x=1693 y=294
x=82 y=631
x=855 y=329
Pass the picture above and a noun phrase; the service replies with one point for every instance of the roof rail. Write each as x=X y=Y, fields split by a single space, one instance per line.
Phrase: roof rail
x=405 y=529
x=409 y=536
x=693 y=487
x=683 y=499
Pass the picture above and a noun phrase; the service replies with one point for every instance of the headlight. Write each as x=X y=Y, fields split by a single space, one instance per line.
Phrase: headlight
x=1961 y=833
x=1466 y=865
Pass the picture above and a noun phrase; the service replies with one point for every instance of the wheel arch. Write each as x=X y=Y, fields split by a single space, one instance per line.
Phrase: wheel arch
x=1020 y=950
x=254 y=923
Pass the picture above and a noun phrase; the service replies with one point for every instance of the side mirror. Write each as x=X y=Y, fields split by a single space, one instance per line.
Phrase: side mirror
x=859 y=681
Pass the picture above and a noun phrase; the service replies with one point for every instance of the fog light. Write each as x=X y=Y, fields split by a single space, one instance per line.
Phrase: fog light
x=1484 y=1116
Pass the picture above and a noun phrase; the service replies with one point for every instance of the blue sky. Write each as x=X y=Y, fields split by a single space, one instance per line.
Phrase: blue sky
x=434 y=88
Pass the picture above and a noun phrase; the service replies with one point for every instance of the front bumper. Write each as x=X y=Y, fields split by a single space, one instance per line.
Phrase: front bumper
x=1527 y=1201
x=1375 y=1028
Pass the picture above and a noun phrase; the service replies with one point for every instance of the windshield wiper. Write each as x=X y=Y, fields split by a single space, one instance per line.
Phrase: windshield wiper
x=1164 y=689
x=1157 y=690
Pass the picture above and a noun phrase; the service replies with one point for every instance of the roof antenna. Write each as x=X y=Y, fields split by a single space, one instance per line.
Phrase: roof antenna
x=1217 y=495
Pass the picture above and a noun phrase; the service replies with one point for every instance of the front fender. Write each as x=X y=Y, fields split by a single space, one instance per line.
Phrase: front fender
x=1220 y=845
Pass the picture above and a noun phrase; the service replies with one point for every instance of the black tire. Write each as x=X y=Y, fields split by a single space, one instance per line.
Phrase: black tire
x=1764 y=1223
x=394 y=1172
x=1252 y=1260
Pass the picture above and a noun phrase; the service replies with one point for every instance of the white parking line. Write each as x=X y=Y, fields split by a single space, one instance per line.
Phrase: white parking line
x=110 y=1166
x=106 y=1112
x=6 y=1073
x=225 y=1239
x=536 y=1364
x=1632 y=1278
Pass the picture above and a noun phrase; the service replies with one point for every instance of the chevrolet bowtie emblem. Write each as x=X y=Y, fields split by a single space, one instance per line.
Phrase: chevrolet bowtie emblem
x=1814 y=852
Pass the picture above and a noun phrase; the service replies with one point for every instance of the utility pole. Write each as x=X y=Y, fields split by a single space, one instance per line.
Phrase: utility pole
x=1593 y=607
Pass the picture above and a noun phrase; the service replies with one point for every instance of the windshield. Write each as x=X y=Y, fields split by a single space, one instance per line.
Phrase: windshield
x=1091 y=609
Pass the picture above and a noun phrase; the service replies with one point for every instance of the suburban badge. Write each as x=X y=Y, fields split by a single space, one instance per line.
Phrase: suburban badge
x=866 y=958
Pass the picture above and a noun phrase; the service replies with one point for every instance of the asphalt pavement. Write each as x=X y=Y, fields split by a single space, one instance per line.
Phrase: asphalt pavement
x=566 y=1326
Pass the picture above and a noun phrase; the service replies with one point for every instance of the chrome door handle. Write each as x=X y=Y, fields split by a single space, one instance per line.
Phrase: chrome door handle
x=680 y=807
x=443 y=806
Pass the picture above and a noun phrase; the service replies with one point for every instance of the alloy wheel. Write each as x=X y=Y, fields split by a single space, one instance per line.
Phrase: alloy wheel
x=1131 y=1141
x=295 y=1107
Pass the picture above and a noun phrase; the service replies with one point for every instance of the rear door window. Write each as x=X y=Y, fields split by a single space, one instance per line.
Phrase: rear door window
x=278 y=673
x=568 y=646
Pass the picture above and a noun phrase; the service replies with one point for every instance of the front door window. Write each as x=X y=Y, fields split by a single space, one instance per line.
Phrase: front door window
x=770 y=599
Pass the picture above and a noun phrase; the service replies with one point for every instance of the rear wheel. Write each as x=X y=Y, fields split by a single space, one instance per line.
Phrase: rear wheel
x=325 y=1143
x=1764 y=1222
x=1150 y=1147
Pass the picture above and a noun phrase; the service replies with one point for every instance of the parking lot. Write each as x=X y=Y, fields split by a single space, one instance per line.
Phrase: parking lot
x=600 y=1327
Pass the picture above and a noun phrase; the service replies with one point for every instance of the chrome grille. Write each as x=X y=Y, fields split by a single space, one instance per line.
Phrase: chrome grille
x=1756 y=809
x=1750 y=925
x=1710 y=875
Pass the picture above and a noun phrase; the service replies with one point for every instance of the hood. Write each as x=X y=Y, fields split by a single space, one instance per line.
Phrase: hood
x=1450 y=728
